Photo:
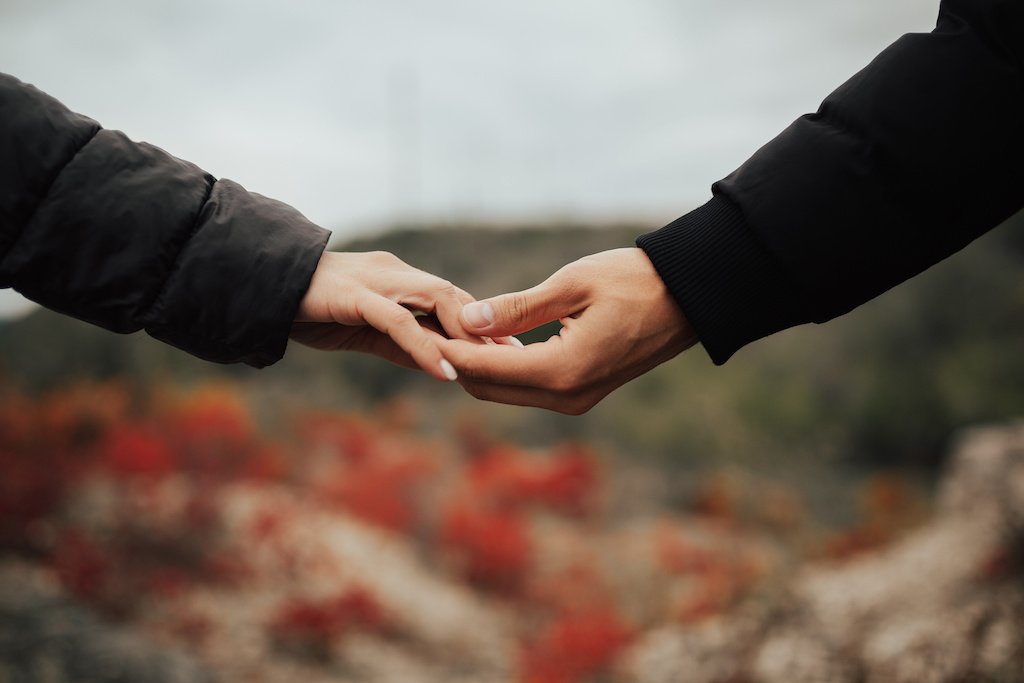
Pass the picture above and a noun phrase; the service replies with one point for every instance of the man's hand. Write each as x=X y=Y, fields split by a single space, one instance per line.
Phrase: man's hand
x=619 y=321
x=365 y=302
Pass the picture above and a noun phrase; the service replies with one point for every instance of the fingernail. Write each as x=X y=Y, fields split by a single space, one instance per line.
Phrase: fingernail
x=516 y=342
x=478 y=314
x=448 y=370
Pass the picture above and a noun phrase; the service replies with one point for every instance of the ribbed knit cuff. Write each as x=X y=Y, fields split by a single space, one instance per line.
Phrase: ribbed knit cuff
x=731 y=290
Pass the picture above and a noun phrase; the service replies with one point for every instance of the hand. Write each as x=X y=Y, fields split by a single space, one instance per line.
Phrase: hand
x=365 y=302
x=619 y=321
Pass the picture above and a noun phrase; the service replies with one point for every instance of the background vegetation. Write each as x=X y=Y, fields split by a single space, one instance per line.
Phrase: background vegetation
x=248 y=516
x=882 y=386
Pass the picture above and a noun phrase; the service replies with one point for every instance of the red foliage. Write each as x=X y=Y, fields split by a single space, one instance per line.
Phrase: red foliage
x=888 y=506
x=379 y=491
x=354 y=440
x=501 y=475
x=214 y=416
x=213 y=438
x=719 y=576
x=193 y=628
x=565 y=482
x=267 y=524
x=82 y=565
x=322 y=621
x=848 y=544
x=679 y=557
x=490 y=546
x=267 y=463
x=168 y=583
x=574 y=646
x=1004 y=561
x=568 y=482
x=29 y=492
x=138 y=450
x=717 y=498
x=226 y=567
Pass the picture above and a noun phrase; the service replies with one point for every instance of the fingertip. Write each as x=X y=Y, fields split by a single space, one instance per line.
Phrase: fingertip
x=448 y=371
x=478 y=315
x=507 y=341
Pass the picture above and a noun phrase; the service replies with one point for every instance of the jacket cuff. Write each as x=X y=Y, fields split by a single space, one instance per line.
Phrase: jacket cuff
x=729 y=287
x=237 y=284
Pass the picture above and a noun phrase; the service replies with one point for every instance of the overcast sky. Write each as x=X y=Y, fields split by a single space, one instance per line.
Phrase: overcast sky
x=362 y=113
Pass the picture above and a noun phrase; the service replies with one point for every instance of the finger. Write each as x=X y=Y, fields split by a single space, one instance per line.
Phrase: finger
x=376 y=343
x=453 y=316
x=364 y=339
x=429 y=294
x=557 y=297
x=575 y=404
x=447 y=306
x=540 y=365
x=400 y=325
x=536 y=376
x=431 y=323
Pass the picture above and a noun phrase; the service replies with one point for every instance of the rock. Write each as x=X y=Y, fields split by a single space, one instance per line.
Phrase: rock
x=44 y=636
x=943 y=604
x=797 y=655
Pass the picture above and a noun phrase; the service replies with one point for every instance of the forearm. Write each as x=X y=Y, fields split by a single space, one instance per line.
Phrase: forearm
x=125 y=236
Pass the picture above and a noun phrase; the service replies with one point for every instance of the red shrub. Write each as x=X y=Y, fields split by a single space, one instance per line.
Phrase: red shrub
x=167 y=583
x=848 y=544
x=29 y=492
x=214 y=416
x=138 y=450
x=379 y=491
x=268 y=463
x=353 y=439
x=573 y=647
x=490 y=547
x=565 y=482
x=677 y=556
x=318 y=622
x=226 y=567
x=719 y=576
x=82 y=566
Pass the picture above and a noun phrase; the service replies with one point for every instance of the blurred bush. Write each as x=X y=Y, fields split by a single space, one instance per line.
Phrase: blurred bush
x=882 y=386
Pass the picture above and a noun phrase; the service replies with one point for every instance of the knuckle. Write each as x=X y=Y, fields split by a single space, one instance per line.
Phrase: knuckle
x=384 y=258
x=396 y=318
x=446 y=290
x=517 y=309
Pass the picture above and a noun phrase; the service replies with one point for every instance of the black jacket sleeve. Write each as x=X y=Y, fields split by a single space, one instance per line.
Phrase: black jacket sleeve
x=125 y=236
x=906 y=163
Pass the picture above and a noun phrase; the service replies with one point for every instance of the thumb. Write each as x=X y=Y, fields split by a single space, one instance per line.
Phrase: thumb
x=517 y=312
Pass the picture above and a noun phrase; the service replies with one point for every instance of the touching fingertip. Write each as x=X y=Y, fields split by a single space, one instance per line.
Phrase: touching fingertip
x=478 y=314
x=448 y=370
x=515 y=342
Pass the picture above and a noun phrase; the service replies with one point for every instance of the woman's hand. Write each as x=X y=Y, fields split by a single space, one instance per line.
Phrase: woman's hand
x=366 y=301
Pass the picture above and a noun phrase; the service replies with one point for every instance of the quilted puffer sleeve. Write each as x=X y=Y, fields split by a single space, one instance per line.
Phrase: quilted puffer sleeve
x=125 y=236
x=903 y=165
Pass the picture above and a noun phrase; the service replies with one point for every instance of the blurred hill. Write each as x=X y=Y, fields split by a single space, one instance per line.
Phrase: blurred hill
x=885 y=385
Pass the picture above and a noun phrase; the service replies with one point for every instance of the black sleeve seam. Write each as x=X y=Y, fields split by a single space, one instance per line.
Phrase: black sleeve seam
x=146 y=307
x=46 y=193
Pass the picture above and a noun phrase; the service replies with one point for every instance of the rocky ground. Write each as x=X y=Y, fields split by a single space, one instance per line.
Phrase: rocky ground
x=945 y=603
x=303 y=592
